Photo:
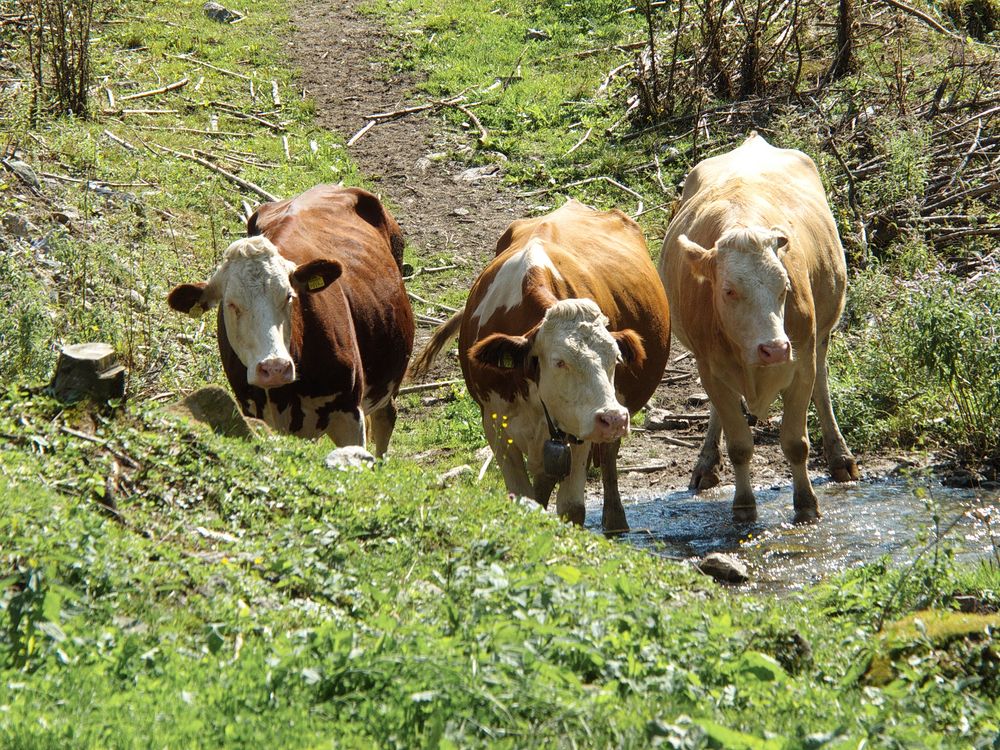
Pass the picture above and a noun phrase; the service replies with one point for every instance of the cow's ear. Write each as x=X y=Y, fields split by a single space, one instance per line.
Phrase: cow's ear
x=315 y=276
x=192 y=299
x=630 y=345
x=779 y=236
x=499 y=351
x=700 y=260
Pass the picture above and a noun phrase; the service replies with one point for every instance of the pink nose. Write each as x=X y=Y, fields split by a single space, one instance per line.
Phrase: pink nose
x=775 y=353
x=274 y=372
x=610 y=424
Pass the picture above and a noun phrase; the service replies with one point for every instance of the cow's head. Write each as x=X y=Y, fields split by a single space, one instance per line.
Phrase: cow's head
x=572 y=356
x=258 y=289
x=749 y=286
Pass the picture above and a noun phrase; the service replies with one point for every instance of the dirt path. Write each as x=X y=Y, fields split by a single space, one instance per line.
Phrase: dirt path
x=338 y=49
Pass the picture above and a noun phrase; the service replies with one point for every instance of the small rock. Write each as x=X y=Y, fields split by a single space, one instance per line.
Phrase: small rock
x=475 y=174
x=349 y=457
x=723 y=567
x=19 y=226
x=137 y=300
x=537 y=35
x=220 y=13
x=66 y=216
x=526 y=502
x=661 y=419
x=24 y=172
x=445 y=479
x=460 y=211
x=697 y=399
x=215 y=407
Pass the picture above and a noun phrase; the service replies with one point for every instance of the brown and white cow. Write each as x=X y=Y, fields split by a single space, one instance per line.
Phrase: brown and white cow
x=314 y=325
x=755 y=274
x=564 y=336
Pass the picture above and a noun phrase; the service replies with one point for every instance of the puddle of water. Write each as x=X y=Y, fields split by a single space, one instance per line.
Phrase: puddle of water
x=861 y=522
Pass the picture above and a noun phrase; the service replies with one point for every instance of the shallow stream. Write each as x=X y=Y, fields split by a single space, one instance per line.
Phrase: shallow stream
x=861 y=522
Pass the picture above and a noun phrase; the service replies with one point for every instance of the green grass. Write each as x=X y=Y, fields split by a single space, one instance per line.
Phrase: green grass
x=243 y=594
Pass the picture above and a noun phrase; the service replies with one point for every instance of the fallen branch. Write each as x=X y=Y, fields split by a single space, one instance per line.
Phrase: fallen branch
x=418 y=298
x=647 y=469
x=153 y=92
x=190 y=59
x=419 y=388
x=580 y=142
x=194 y=131
x=120 y=141
x=229 y=109
x=451 y=101
x=484 y=134
x=360 y=134
x=124 y=112
x=245 y=184
x=436 y=269
x=922 y=16
x=673 y=441
x=578 y=183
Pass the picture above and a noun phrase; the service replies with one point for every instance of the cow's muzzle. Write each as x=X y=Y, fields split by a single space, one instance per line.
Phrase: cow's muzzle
x=274 y=373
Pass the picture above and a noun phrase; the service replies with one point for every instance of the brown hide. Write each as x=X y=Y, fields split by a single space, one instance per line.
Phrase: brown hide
x=353 y=339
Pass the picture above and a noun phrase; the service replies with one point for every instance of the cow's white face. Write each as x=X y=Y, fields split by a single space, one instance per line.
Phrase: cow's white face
x=575 y=356
x=257 y=288
x=749 y=289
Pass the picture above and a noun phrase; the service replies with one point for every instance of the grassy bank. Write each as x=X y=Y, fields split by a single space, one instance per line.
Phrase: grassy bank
x=161 y=586
x=243 y=594
x=564 y=90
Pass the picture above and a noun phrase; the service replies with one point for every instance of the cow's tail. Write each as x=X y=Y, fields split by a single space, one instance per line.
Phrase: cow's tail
x=441 y=337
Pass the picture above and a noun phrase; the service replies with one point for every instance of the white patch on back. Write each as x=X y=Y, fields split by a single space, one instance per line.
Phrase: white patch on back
x=507 y=289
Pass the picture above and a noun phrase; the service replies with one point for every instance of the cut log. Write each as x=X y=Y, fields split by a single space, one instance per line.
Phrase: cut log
x=89 y=369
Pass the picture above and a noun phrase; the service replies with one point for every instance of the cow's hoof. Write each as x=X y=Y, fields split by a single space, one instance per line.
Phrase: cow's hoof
x=703 y=480
x=615 y=523
x=845 y=470
x=806 y=515
x=744 y=513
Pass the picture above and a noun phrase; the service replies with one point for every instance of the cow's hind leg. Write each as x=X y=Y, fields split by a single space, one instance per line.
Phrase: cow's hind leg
x=706 y=469
x=347 y=428
x=839 y=460
x=383 y=421
x=613 y=518
x=795 y=445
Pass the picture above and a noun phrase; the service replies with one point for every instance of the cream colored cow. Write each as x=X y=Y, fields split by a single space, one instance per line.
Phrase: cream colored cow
x=754 y=271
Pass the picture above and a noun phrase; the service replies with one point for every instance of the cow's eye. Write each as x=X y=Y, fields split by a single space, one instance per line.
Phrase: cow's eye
x=290 y=296
x=731 y=293
x=561 y=364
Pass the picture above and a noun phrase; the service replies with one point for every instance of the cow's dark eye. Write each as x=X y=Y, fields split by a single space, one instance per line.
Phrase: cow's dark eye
x=731 y=293
x=289 y=298
x=561 y=364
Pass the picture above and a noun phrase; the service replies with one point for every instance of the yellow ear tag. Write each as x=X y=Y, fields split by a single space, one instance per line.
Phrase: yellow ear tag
x=316 y=282
x=196 y=311
x=507 y=361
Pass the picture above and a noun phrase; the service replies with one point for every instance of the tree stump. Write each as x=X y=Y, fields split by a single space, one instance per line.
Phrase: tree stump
x=90 y=369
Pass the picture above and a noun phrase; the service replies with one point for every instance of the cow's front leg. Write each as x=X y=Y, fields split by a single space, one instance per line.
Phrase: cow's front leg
x=739 y=444
x=709 y=464
x=571 y=499
x=795 y=445
x=347 y=428
x=383 y=421
x=509 y=459
x=839 y=460
x=613 y=518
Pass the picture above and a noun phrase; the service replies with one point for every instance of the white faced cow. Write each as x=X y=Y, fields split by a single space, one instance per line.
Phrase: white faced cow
x=754 y=271
x=315 y=328
x=564 y=335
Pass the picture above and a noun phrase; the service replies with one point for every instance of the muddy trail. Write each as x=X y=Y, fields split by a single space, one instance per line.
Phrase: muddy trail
x=409 y=163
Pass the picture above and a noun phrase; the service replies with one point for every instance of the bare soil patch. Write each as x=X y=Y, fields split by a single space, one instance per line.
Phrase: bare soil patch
x=339 y=51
